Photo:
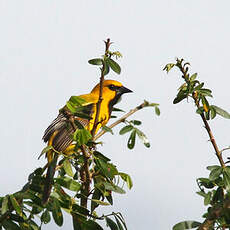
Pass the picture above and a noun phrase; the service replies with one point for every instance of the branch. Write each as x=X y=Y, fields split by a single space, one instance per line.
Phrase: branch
x=213 y=141
x=85 y=172
x=185 y=76
x=85 y=177
x=216 y=212
x=122 y=119
x=98 y=106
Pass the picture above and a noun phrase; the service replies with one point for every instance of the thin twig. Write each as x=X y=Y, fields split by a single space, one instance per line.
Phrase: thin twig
x=100 y=98
x=123 y=118
x=212 y=139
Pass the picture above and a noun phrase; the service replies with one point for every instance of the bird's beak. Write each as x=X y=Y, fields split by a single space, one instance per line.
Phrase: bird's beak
x=124 y=90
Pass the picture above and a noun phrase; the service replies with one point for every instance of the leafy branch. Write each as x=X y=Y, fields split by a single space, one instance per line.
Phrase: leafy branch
x=218 y=213
x=85 y=178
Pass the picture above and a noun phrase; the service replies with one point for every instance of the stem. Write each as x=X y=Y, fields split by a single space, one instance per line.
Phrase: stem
x=185 y=76
x=213 y=141
x=98 y=106
x=218 y=210
x=85 y=171
x=85 y=177
x=123 y=118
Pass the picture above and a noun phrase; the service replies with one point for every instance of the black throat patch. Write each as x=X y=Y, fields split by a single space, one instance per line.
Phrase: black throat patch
x=113 y=102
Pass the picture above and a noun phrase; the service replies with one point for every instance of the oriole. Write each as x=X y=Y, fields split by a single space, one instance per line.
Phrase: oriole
x=59 y=133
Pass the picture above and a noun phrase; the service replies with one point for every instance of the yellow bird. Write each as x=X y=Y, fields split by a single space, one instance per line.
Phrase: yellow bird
x=59 y=133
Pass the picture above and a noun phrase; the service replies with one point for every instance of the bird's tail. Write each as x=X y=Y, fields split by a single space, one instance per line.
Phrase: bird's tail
x=49 y=179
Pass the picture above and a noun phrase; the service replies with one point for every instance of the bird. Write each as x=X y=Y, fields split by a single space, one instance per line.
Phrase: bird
x=59 y=133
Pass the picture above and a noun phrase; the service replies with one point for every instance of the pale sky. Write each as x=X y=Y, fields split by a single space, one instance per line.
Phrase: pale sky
x=44 y=49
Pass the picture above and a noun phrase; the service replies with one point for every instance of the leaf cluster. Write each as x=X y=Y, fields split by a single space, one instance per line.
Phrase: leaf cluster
x=215 y=189
x=83 y=174
x=193 y=88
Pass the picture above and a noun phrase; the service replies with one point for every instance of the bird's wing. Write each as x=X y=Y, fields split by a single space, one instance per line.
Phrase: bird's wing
x=61 y=129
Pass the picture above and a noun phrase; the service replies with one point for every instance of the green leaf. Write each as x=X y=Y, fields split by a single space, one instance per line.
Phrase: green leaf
x=120 y=217
x=168 y=67
x=179 y=98
x=15 y=204
x=109 y=197
x=189 y=224
x=226 y=179
x=33 y=225
x=45 y=150
x=227 y=170
x=57 y=213
x=143 y=138
x=205 y=92
x=132 y=139
x=210 y=168
x=90 y=225
x=215 y=173
x=157 y=111
x=45 y=218
x=111 y=224
x=60 y=194
x=113 y=187
x=117 y=110
x=152 y=104
x=82 y=136
x=96 y=61
x=200 y=110
x=106 y=68
x=126 y=129
x=79 y=209
x=205 y=103
x=68 y=183
x=5 y=205
x=218 y=195
x=68 y=168
x=109 y=170
x=120 y=227
x=206 y=182
x=213 y=112
x=136 y=122
x=197 y=88
x=10 y=225
x=221 y=112
x=201 y=193
x=38 y=171
x=96 y=196
x=183 y=87
x=127 y=179
x=193 y=77
x=107 y=129
x=100 y=202
x=101 y=156
x=16 y=218
x=114 y=66
x=207 y=198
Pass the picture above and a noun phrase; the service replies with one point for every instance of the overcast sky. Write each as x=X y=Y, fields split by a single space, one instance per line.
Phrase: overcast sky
x=44 y=49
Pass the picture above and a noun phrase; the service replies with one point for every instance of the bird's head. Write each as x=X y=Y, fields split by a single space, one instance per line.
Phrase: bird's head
x=111 y=91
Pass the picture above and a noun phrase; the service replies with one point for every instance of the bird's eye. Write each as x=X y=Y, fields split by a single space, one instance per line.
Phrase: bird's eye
x=112 y=87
